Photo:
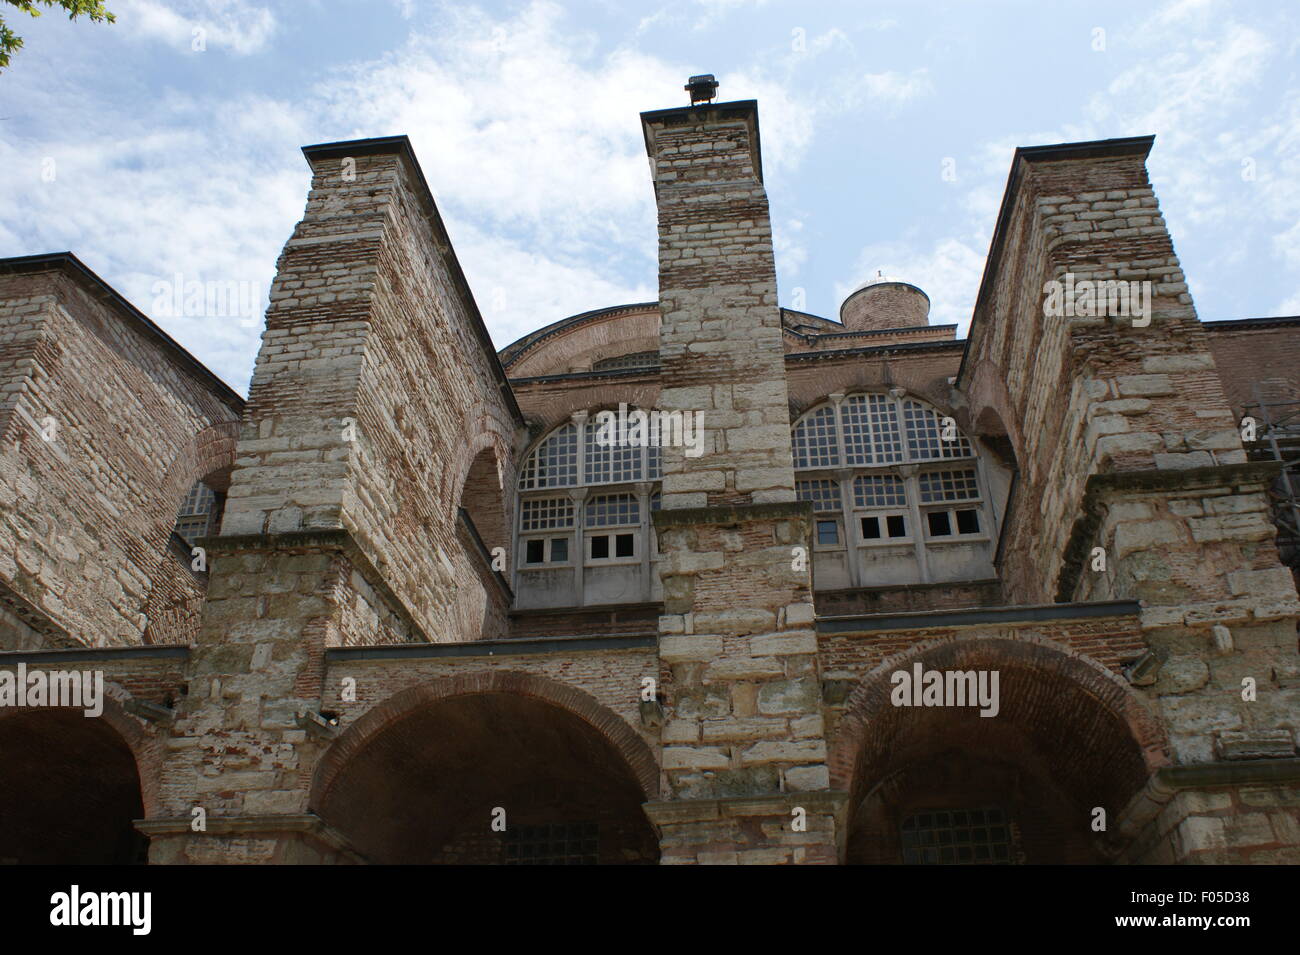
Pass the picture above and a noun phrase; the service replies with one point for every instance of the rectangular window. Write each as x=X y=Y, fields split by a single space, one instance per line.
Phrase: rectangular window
x=607 y=546
x=947 y=523
x=884 y=527
x=828 y=532
x=546 y=550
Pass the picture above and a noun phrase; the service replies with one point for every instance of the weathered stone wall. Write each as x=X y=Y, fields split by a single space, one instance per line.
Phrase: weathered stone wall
x=85 y=516
x=743 y=725
x=358 y=417
x=372 y=396
x=1133 y=481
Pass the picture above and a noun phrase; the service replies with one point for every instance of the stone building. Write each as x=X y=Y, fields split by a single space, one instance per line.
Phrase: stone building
x=416 y=600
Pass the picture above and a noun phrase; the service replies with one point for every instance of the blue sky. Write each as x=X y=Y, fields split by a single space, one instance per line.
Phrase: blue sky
x=150 y=159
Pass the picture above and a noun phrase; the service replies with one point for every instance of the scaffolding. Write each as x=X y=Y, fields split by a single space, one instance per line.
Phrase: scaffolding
x=1277 y=438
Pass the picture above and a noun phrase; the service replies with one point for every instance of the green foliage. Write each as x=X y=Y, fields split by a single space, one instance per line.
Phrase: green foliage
x=10 y=41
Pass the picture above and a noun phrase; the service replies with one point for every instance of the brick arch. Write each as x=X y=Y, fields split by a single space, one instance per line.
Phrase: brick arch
x=1118 y=710
x=611 y=727
x=209 y=451
x=487 y=438
x=148 y=748
x=991 y=411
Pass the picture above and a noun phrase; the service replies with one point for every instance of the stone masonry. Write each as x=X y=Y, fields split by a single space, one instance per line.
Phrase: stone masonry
x=349 y=676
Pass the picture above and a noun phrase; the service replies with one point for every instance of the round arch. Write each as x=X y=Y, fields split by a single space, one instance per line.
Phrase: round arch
x=74 y=785
x=421 y=777
x=1069 y=735
x=634 y=750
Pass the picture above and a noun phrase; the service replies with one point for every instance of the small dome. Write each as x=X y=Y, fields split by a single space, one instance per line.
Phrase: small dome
x=881 y=304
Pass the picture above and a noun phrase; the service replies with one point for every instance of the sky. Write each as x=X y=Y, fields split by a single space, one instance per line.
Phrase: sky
x=163 y=149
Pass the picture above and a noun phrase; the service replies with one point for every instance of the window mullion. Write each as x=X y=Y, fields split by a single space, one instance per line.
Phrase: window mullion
x=912 y=488
x=841 y=458
x=852 y=551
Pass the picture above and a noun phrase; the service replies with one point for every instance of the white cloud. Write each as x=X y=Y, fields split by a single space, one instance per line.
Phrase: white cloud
x=235 y=25
x=894 y=88
x=531 y=142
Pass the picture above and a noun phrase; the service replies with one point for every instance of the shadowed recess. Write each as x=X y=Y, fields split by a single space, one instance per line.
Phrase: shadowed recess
x=424 y=789
x=69 y=792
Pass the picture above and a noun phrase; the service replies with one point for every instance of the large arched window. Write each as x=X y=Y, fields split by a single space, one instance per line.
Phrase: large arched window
x=586 y=491
x=897 y=492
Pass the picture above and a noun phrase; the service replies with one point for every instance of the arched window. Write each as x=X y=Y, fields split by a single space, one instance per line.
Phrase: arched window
x=586 y=492
x=199 y=514
x=897 y=493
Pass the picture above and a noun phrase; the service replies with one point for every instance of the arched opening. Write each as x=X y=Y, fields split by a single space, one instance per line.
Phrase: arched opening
x=482 y=498
x=426 y=785
x=942 y=784
x=69 y=791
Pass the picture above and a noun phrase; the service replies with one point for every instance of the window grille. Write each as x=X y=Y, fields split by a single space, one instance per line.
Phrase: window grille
x=554 y=463
x=814 y=440
x=564 y=844
x=824 y=494
x=879 y=490
x=546 y=513
x=871 y=434
x=957 y=837
x=613 y=510
x=939 y=486
x=925 y=435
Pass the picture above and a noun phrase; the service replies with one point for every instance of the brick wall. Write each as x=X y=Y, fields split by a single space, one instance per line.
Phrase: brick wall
x=130 y=417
